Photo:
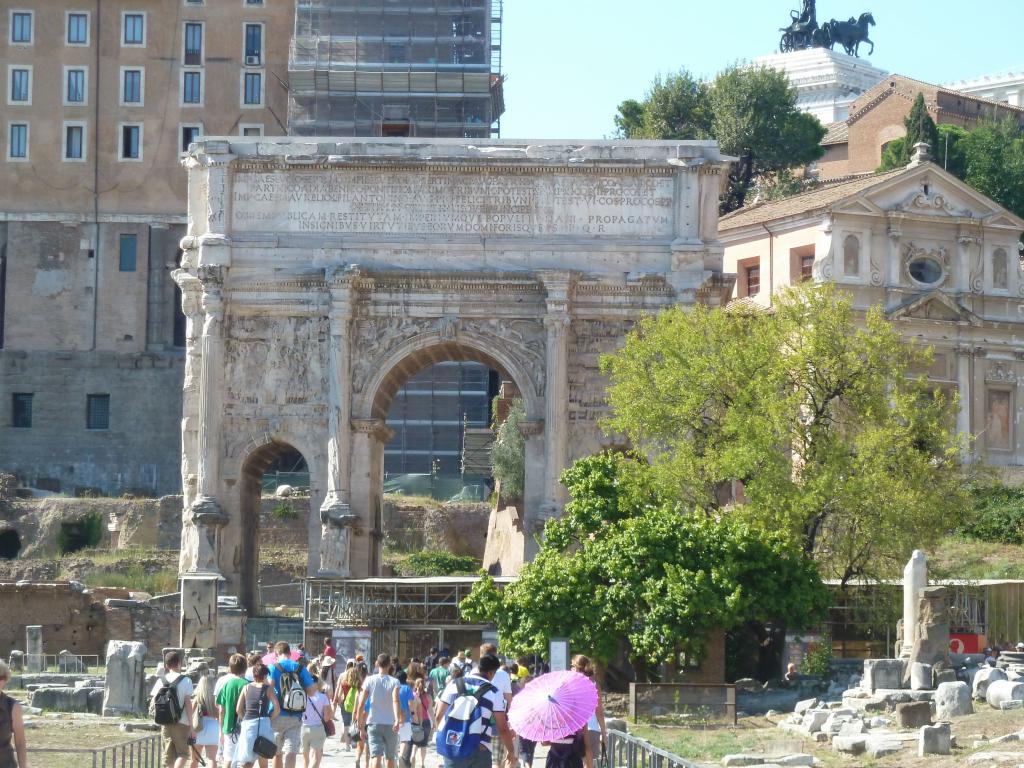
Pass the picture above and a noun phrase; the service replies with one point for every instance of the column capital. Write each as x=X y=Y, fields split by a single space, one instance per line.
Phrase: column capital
x=206 y=511
x=557 y=321
x=373 y=427
x=531 y=428
x=337 y=513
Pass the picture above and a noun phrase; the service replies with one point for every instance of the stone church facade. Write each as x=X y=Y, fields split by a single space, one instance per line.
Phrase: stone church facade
x=317 y=277
x=938 y=256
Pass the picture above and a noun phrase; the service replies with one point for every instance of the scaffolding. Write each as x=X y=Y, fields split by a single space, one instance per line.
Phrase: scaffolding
x=429 y=68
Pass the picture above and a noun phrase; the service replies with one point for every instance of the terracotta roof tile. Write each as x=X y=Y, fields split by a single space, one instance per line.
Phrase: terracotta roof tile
x=838 y=133
x=807 y=202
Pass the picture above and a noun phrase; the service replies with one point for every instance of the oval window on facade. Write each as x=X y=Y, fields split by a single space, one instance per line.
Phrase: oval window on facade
x=925 y=271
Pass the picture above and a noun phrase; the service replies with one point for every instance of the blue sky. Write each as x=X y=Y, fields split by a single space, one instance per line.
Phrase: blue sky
x=570 y=62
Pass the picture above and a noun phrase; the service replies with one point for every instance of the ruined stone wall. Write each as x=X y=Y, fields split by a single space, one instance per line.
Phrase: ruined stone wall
x=72 y=619
x=457 y=528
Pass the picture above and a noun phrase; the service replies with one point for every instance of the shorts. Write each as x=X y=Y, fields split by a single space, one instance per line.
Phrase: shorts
x=287 y=733
x=382 y=741
x=228 y=747
x=594 y=744
x=346 y=718
x=482 y=759
x=176 y=742
x=313 y=737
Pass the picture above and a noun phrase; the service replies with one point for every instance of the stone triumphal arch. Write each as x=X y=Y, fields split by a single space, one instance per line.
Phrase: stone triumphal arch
x=318 y=276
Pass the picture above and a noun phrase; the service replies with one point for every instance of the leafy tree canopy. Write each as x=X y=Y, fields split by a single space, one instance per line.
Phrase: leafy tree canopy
x=508 y=453
x=835 y=443
x=626 y=563
x=751 y=112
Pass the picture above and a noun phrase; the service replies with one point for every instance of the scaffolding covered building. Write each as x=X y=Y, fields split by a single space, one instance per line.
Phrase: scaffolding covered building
x=429 y=68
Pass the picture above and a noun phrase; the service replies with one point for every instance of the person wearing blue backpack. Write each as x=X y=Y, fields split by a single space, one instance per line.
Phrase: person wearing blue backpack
x=467 y=710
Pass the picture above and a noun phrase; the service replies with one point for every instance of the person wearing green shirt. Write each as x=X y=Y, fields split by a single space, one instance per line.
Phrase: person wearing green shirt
x=227 y=697
x=439 y=676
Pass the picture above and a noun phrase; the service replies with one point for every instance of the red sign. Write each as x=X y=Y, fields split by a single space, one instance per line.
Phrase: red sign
x=963 y=643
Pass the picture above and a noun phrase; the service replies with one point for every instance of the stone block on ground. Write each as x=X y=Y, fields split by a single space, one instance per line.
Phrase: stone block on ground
x=935 y=740
x=16 y=661
x=996 y=758
x=1002 y=691
x=913 y=714
x=882 y=673
x=953 y=700
x=940 y=676
x=851 y=745
x=920 y=676
x=803 y=706
x=1008 y=705
x=852 y=728
x=881 y=747
x=813 y=720
x=126 y=679
x=985 y=677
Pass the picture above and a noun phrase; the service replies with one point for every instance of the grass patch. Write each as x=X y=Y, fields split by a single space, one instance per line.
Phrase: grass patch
x=136 y=578
x=705 y=744
x=431 y=563
x=61 y=733
x=401 y=500
x=964 y=558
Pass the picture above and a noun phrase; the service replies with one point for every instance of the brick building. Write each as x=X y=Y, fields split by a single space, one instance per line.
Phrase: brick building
x=855 y=145
x=101 y=99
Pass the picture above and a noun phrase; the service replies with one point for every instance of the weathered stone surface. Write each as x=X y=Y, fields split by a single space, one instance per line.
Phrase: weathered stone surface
x=880 y=747
x=737 y=761
x=1002 y=691
x=814 y=719
x=882 y=673
x=66 y=699
x=952 y=700
x=1008 y=705
x=126 y=678
x=940 y=676
x=803 y=706
x=986 y=676
x=934 y=740
x=913 y=714
x=17 y=661
x=1000 y=758
x=69 y=664
x=852 y=745
x=920 y=676
x=34 y=648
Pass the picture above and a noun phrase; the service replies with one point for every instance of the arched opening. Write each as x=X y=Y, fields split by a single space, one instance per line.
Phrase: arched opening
x=274 y=514
x=10 y=544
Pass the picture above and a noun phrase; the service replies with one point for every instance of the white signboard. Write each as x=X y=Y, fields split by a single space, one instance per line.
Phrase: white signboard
x=559 y=655
x=350 y=642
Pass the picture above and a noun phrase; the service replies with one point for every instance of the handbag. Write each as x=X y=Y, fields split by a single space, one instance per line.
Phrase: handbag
x=328 y=724
x=420 y=734
x=263 y=746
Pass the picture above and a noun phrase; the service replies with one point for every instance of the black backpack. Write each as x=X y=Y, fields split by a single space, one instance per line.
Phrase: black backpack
x=167 y=708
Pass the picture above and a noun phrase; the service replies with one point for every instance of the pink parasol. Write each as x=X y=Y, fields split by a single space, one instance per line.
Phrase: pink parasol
x=553 y=706
x=271 y=658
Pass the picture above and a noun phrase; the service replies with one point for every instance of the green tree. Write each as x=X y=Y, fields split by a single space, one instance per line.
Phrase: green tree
x=751 y=112
x=508 y=453
x=816 y=414
x=994 y=162
x=624 y=563
x=920 y=127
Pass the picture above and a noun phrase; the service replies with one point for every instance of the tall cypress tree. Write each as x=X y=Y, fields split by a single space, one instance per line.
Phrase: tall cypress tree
x=920 y=127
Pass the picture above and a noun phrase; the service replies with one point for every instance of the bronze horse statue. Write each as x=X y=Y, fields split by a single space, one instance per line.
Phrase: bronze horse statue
x=850 y=34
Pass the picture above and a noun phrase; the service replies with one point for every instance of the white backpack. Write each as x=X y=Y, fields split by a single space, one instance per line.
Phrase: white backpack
x=293 y=695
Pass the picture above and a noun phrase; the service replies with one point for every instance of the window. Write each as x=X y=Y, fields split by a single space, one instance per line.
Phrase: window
x=253 y=44
x=21 y=85
x=189 y=135
x=254 y=2
x=851 y=256
x=1000 y=276
x=193 y=43
x=97 y=411
x=131 y=86
x=134 y=29
x=21 y=410
x=131 y=142
x=74 y=89
x=191 y=87
x=78 y=28
x=925 y=271
x=253 y=91
x=753 y=280
x=21 y=27
x=17 y=141
x=806 y=268
x=74 y=141
x=127 y=249
x=251 y=129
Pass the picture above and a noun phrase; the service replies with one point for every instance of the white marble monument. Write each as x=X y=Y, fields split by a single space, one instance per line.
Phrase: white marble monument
x=318 y=275
x=915 y=579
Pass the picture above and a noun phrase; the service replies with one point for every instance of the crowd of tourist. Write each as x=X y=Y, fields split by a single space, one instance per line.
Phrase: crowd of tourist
x=272 y=707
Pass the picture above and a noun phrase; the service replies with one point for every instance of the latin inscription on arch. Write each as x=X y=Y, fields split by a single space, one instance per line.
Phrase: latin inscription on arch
x=439 y=203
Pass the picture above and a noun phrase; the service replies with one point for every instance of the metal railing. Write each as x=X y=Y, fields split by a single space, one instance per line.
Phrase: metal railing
x=74 y=664
x=625 y=751
x=144 y=752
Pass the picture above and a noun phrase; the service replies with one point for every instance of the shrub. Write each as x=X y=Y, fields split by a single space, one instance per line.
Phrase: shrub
x=83 y=533
x=508 y=454
x=284 y=511
x=436 y=563
x=997 y=515
x=819 y=659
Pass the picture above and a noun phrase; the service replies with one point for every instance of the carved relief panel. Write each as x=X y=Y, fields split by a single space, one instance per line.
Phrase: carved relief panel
x=276 y=361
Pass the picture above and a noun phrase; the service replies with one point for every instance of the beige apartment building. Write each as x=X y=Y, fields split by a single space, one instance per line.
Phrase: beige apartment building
x=100 y=100
x=938 y=256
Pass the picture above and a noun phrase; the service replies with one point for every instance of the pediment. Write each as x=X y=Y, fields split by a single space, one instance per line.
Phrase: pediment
x=929 y=191
x=936 y=305
x=858 y=205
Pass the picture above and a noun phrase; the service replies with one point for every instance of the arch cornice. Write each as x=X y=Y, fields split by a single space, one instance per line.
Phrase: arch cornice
x=515 y=347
